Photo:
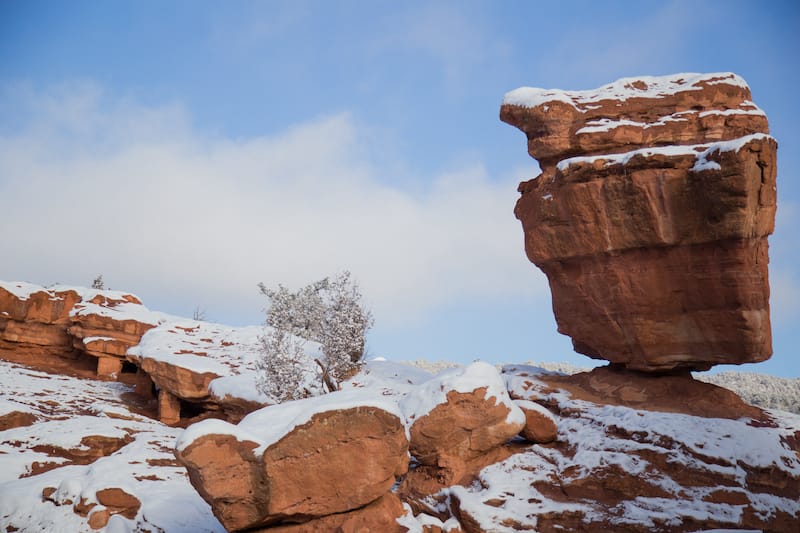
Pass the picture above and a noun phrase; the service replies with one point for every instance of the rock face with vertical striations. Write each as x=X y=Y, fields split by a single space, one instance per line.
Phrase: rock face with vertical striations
x=650 y=217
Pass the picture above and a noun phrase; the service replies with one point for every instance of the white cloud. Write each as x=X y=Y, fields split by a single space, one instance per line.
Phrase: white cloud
x=133 y=192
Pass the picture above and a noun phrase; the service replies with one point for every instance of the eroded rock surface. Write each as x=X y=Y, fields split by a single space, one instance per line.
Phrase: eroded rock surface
x=378 y=516
x=651 y=216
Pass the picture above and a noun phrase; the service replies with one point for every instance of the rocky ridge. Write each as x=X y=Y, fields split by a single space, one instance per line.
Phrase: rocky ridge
x=188 y=368
x=651 y=216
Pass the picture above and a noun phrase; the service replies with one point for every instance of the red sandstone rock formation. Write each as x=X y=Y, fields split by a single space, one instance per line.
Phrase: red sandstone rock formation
x=651 y=216
x=378 y=516
x=35 y=320
x=62 y=322
x=338 y=461
x=466 y=426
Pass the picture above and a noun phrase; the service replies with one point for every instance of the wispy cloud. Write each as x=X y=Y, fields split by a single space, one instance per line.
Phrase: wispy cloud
x=191 y=219
x=632 y=45
x=447 y=33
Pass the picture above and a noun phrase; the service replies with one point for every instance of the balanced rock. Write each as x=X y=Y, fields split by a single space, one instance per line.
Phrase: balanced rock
x=298 y=461
x=650 y=217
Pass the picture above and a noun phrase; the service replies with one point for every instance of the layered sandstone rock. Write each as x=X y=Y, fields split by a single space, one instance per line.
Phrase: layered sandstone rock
x=184 y=357
x=67 y=321
x=651 y=216
x=296 y=462
x=35 y=319
x=379 y=516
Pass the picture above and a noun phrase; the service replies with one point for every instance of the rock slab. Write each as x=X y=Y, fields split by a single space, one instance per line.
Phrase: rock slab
x=650 y=217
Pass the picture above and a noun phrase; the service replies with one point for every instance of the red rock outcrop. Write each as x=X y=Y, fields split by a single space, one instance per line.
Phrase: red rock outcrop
x=107 y=325
x=85 y=332
x=110 y=501
x=651 y=216
x=340 y=460
x=63 y=322
x=466 y=426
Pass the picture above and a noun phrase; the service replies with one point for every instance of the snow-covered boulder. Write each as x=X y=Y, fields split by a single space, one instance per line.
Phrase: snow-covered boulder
x=297 y=461
x=459 y=415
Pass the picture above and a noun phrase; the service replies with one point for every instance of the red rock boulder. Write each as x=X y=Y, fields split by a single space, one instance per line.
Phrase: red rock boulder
x=460 y=415
x=299 y=461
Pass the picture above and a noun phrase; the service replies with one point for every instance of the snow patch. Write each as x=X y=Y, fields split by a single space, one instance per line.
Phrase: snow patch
x=700 y=151
x=622 y=89
x=426 y=397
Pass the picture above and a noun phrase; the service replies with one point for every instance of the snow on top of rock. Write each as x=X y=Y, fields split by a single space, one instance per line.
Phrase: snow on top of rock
x=270 y=424
x=119 y=309
x=21 y=289
x=388 y=377
x=717 y=446
x=533 y=406
x=700 y=151
x=607 y=124
x=622 y=89
x=208 y=347
x=241 y=386
x=423 y=399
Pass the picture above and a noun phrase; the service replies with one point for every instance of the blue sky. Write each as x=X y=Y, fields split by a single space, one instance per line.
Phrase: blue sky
x=189 y=150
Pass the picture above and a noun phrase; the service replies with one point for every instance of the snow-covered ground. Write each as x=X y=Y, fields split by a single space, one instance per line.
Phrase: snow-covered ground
x=49 y=454
x=68 y=411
